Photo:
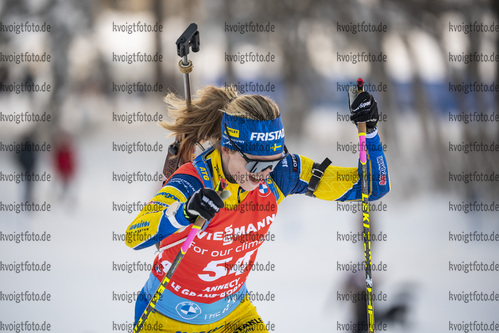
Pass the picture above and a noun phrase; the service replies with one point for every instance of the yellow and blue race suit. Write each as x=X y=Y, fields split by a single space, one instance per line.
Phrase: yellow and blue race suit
x=210 y=283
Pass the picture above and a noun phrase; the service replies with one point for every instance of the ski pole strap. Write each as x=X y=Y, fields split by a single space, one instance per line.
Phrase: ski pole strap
x=317 y=173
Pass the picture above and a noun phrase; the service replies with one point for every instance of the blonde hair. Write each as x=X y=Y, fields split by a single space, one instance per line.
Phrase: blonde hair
x=201 y=120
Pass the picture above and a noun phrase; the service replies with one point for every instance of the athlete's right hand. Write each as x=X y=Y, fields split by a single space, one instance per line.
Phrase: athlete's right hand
x=204 y=202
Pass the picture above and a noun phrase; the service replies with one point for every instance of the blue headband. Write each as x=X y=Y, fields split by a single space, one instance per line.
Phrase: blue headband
x=255 y=137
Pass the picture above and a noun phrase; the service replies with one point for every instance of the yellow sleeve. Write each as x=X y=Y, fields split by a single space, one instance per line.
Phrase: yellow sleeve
x=335 y=182
x=150 y=225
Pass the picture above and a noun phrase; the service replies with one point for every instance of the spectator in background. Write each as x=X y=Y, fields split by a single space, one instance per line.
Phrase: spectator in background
x=64 y=160
x=27 y=159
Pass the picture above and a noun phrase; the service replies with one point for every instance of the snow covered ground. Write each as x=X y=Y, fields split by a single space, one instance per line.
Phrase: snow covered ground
x=89 y=288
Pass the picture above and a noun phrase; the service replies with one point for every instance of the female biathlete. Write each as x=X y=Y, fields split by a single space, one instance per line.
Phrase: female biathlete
x=208 y=292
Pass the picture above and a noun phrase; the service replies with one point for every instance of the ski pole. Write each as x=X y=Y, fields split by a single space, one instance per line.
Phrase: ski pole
x=365 y=215
x=198 y=225
x=188 y=40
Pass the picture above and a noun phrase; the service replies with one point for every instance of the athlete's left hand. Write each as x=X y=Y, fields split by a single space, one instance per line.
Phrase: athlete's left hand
x=364 y=109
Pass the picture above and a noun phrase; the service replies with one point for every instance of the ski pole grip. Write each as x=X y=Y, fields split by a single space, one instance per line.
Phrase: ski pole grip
x=362 y=127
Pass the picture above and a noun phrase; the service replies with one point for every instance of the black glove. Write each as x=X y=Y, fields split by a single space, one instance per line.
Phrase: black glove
x=204 y=202
x=365 y=109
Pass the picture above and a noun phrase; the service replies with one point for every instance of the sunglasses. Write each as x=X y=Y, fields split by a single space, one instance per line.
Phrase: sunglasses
x=256 y=166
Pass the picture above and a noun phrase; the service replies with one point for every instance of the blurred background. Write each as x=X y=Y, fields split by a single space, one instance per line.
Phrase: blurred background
x=439 y=123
